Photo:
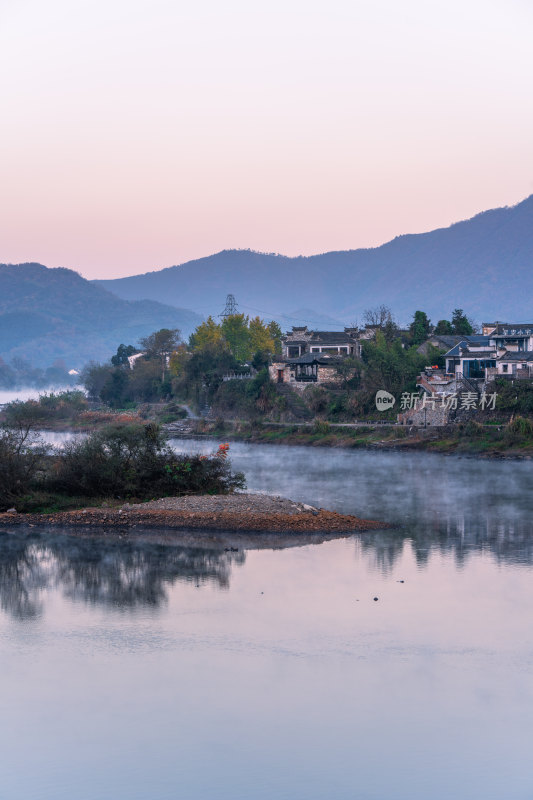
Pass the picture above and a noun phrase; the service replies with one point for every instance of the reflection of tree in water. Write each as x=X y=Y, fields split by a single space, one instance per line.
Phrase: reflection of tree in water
x=118 y=573
x=508 y=540
x=23 y=574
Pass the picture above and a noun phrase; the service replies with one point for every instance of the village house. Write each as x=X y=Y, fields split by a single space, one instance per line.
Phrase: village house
x=503 y=350
x=310 y=356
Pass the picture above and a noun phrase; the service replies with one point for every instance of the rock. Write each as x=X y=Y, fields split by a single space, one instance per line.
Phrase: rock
x=376 y=599
x=11 y=511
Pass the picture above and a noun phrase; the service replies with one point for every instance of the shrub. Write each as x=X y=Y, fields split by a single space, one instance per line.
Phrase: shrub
x=21 y=454
x=518 y=430
x=135 y=461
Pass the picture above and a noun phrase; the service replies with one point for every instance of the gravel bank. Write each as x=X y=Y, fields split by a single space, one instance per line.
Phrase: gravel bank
x=256 y=513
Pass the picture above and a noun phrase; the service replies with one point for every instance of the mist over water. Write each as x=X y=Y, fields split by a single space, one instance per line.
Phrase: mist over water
x=31 y=393
x=208 y=667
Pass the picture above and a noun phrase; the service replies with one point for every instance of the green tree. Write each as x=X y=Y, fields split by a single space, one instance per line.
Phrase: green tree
x=276 y=335
x=237 y=335
x=208 y=334
x=461 y=325
x=160 y=345
x=123 y=352
x=260 y=336
x=443 y=328
x=419 y=328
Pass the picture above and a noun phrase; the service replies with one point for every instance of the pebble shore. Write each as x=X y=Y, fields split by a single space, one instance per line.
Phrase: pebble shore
x=244 y=512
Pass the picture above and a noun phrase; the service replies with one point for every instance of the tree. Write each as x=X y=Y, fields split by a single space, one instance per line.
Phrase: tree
x=260 y=337
x=378 y=317
x=461 y=325
x=443 y=328
x=120 y=359
x=419 y=328
x=276 y=334
x=160 y=345
x=237 y=335
x=208 y=334
x=21 y=453
x=94 y=377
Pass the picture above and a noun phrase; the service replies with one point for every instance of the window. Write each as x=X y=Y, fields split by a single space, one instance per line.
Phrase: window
x=505 y=367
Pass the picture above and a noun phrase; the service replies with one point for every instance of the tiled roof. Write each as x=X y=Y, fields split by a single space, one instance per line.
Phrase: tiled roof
x=315 y=358
x=512 y=329
x=524 y=356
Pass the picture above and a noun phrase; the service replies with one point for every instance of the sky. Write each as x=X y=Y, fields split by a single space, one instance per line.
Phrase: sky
x=141 y=134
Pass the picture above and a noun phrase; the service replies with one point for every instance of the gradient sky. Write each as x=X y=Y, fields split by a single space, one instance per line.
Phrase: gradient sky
x=142 y=133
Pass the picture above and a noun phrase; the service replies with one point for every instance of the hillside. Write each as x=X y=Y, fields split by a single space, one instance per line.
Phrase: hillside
x=483 y=265
x=47 y=314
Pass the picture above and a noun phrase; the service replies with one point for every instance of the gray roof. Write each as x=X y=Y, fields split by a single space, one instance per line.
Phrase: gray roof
x=524 y=356
x=319 y=337
x=315 y=358
x=514 y=329
x=475 y=340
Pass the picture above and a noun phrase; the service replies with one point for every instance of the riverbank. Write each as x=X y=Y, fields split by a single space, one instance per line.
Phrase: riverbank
x=248 y=513
x=496 y=440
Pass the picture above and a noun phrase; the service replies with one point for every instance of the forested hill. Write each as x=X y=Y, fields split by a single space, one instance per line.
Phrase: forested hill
x=484 y=265
x=46 y=314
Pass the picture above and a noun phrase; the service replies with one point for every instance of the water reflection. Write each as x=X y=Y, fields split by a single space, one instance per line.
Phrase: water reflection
x=507 y=541
x=123 y=574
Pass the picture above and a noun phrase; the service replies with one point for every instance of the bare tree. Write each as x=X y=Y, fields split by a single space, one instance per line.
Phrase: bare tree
x=379 y=316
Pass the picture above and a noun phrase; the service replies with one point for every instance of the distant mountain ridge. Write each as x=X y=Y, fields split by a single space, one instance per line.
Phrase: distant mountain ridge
x=484 y=265
x=47 y=314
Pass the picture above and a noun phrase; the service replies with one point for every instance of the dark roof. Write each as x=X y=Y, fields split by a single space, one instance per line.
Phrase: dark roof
x=451 y=340
x=331 y=336
x=513 y=329
x=315 y=358
x=463 y=344
x=320 y=337
x=526 y=355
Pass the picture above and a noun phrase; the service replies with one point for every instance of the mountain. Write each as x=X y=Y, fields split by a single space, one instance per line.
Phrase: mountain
x=46 y=314
x=483 y=265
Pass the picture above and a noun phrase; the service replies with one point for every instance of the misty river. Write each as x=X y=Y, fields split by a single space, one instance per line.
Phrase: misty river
x=156 y=669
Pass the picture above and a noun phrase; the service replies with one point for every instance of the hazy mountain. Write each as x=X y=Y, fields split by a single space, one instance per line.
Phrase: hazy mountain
x=47 y=314
x=483 y=265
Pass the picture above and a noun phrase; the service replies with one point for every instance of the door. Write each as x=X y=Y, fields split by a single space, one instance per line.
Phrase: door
x=280 y=376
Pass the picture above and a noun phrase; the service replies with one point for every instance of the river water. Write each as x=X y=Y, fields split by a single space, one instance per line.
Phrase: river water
x=153 y=670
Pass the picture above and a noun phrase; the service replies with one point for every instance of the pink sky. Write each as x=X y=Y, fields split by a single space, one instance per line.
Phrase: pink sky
x=137 y=135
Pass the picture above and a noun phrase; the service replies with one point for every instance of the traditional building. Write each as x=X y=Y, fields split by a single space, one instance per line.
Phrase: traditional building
x=301 y=340
x=310 y=357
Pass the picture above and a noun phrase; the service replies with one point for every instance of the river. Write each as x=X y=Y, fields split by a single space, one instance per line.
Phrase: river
x=149 y=669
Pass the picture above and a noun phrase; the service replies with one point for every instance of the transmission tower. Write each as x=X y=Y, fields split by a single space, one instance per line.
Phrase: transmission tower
x=231 y=307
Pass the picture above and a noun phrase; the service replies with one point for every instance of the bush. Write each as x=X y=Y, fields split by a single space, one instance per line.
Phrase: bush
x=518 y=431
x=48 y=408
x=135 y=461
x=20 y=458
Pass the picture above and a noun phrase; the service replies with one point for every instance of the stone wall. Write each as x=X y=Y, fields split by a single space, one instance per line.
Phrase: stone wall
x=425 y=416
